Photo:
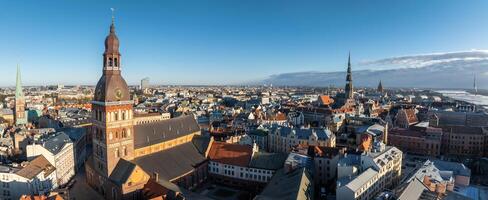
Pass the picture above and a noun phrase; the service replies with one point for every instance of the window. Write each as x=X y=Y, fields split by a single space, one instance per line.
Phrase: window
x=125 y=151
x=115 y=62
x=124 y=134
x=110 y=62
x=117 y=154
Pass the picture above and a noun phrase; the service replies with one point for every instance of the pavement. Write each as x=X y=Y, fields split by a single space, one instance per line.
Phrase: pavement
x=81 y=190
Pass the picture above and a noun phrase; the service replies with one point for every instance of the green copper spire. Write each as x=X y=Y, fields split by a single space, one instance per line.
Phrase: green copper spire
x=18 y=85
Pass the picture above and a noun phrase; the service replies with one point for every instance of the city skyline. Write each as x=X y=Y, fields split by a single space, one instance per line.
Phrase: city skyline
x=170 y=49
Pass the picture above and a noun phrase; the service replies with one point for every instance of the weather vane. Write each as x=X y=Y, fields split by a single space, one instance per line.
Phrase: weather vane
x=113 y=15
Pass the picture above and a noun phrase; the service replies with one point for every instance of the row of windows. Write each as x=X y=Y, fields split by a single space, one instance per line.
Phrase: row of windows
x=244 y=175
x=113 y=116
x=117 y=152
x=112 y=62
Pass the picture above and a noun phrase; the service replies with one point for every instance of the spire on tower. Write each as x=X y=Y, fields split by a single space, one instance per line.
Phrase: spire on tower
x=349 y=59
x=18 y=84
x=380 y=87
x=349 y=87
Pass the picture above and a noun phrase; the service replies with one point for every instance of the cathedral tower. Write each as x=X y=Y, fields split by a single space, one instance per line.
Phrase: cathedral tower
x=112 y=114
x=20 y=117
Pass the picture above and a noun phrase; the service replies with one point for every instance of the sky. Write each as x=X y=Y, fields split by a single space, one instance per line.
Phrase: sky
x=226 y=41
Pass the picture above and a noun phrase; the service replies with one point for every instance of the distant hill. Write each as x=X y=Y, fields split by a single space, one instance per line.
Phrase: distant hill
x=440 y=70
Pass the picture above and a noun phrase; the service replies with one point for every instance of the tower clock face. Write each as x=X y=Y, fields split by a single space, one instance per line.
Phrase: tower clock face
x=118 y=94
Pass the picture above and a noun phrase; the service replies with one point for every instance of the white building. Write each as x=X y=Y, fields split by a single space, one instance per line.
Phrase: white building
x=242 y=165
x=37 y=177
x=59 y=151
x=364 y=176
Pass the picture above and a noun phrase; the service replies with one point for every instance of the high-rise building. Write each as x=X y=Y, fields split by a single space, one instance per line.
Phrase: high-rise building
x=144 y=83
x=20 y=117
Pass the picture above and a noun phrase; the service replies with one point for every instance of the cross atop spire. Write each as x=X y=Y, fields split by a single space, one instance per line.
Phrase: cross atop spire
x=112 y=26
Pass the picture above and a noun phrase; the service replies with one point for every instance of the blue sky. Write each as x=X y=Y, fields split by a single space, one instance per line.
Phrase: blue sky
x=225 y=41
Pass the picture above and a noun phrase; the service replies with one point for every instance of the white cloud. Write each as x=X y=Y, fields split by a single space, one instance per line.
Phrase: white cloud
x=425 y=60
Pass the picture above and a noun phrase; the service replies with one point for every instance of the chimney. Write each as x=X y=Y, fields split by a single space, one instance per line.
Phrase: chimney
x=156 y=176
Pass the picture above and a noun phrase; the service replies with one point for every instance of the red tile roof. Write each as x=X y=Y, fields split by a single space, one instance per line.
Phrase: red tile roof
x=326 y=100
x=231 y=154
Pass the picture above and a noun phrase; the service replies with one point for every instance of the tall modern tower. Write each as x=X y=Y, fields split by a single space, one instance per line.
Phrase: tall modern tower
x=349 y=87
x=20 y=117
x=112 y=114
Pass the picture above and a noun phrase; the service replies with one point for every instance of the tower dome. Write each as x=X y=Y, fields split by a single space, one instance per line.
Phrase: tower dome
x=111 y=86
x=111 y=41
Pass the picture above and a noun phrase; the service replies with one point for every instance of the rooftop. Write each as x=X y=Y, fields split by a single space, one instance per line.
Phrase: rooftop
x=264 y=160
x=232 y=154
x=36 y=166
x=294 y=185
x=160 y=131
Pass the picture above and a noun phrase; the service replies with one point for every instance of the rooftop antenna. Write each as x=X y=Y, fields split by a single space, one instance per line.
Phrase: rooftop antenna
x=474 y=86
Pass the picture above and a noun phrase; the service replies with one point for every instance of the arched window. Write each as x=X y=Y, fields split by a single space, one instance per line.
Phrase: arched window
x=116 y=134
x=123 y=115
x=116 y=116
x=110 y=62
x=116 y=63
x=125 y=151
x=124 y=134
x=117 y=154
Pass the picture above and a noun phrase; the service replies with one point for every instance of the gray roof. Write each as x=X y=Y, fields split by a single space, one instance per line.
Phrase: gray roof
x=157 y=132
x=122 y=171
x=201 y=143
x=56 y=142
x=74 y=133
x=172 y=162
x=455 y=167
x=305 y=133
x=416 y=190
x=263 y=160
x=356 y=182
x=294 y=185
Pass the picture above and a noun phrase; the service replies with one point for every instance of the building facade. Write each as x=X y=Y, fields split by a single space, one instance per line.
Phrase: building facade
x=365 y=175
x=283 y=138
x=58 y=149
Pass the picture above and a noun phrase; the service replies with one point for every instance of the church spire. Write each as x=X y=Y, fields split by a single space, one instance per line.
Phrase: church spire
x=349 y=87
x=20 y=117
x=111 y=56
x=18 y=84
x=380 y=87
